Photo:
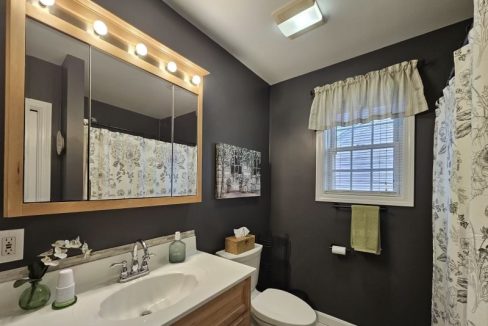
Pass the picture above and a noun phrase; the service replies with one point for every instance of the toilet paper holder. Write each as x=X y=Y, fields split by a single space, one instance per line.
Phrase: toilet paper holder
x=347 y=248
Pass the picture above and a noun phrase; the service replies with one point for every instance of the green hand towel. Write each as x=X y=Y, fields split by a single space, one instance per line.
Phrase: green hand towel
x=365 y=229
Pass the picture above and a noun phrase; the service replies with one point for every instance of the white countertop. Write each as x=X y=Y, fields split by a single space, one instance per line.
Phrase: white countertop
x=214 y=275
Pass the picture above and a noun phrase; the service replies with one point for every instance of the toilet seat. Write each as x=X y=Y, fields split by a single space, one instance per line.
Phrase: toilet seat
x=278 y=307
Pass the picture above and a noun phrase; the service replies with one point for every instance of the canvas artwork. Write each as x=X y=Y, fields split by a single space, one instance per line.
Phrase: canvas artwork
x=238 y=172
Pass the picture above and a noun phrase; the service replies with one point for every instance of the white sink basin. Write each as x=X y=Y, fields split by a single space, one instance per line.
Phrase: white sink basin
x=147 y=296
x=170 y=292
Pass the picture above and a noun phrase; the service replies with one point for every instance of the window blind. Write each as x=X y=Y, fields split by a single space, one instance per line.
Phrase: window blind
x=364 y=157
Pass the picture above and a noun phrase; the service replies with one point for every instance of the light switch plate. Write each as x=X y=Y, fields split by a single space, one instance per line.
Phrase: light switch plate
x=11 y=245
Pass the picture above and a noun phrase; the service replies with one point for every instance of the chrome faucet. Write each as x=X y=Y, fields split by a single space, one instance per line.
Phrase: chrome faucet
x=135 y=270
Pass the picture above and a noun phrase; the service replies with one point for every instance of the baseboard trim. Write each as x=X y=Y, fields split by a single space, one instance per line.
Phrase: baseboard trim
x=328 y=320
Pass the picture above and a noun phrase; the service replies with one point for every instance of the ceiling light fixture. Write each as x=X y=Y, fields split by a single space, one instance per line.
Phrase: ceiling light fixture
x=172 y=67
x=141 y=49
x=100 y=28
x=298 y=17
x=47 y=3
x=196 y=80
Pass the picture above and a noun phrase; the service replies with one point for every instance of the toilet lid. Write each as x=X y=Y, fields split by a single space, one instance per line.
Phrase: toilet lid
x=279 y=307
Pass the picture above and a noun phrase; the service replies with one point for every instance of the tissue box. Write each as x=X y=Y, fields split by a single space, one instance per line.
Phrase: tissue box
x=237 y=246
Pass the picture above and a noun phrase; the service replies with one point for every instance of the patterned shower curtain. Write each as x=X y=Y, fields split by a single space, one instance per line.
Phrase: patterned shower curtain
x=184 y=176
x=460 y=186
x=126 y=166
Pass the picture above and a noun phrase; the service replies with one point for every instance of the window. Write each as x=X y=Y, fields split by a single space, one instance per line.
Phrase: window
x=369 y=163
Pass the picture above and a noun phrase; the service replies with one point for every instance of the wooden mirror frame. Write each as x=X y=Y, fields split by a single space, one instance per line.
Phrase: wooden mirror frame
x=67 y=16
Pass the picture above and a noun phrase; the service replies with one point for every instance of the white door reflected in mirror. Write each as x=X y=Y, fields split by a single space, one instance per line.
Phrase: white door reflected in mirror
x=37 y=174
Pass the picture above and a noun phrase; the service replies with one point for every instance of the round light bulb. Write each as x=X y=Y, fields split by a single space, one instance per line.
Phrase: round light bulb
x=100 y=28
x=196 y=80
x=171 y=66
x=47 y=3
x=141 y=49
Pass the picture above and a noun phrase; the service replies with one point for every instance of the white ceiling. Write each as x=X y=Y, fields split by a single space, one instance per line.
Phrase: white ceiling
x=246 y=29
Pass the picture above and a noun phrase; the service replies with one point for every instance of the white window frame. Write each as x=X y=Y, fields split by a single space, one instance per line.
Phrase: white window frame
x=405 y=197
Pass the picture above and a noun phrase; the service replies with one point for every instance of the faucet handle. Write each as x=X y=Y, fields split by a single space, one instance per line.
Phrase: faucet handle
x=145 y=258
x=123 y=273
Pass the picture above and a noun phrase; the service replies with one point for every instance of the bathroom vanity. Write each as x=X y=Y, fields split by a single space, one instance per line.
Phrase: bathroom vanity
x=203 y=290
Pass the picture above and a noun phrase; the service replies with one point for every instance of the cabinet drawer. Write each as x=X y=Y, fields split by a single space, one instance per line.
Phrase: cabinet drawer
x=230 y=308
x=243 y=320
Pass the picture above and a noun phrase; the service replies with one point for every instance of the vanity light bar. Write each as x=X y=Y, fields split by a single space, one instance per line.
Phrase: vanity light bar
x=172 y=67
x=141 y=49
x=196 y=80
x=100 y=28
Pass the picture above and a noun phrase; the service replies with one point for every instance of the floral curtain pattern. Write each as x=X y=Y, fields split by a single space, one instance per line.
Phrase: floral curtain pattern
x=115 y=166
x=157 y=171
x=460 y=187
x=184 y=170
x=126 y=166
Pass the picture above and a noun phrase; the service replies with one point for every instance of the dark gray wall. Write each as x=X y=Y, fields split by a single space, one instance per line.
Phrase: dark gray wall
x=72 y=114
x=386 y=290
x=235 y=111
x=185 y=129
x=43 y=82
x=139 y=124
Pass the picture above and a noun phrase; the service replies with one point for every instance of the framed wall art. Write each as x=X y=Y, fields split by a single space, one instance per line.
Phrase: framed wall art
x=238 y=172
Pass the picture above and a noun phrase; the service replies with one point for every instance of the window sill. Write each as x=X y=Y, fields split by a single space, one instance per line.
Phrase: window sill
x=405 y=201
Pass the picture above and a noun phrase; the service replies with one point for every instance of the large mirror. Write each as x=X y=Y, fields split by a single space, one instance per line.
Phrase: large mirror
x=98 y=114
x=99 y=128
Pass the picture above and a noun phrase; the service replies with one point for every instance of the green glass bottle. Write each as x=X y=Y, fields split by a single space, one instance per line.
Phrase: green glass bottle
x=36 y=296
x=177 y=250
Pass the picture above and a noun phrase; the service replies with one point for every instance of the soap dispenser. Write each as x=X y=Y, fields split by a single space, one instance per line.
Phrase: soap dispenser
x=177 y=250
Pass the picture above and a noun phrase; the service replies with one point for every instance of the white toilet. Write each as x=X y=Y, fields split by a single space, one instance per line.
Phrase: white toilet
x=272 y=307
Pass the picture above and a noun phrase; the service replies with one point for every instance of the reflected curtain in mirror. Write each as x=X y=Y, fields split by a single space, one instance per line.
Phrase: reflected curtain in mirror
x=184 y=170
x=126 y=166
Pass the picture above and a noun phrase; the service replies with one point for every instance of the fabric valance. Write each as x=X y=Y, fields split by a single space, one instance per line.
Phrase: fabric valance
x=386 y=93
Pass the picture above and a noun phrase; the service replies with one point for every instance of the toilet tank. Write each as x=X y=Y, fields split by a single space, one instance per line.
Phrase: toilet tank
x=250 y=258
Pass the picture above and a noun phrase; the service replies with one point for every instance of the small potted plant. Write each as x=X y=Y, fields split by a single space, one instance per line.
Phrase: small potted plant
x=38 y=294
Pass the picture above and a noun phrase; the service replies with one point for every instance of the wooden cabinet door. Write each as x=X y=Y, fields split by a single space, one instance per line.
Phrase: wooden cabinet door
x=231 y=308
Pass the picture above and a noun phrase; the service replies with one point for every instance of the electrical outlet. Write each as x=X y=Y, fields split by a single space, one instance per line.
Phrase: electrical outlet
x=8 y=246
x=11 y=245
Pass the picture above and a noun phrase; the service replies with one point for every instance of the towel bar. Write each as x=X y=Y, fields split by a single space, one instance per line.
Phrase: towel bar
x=350 y=249
x=341 y=206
